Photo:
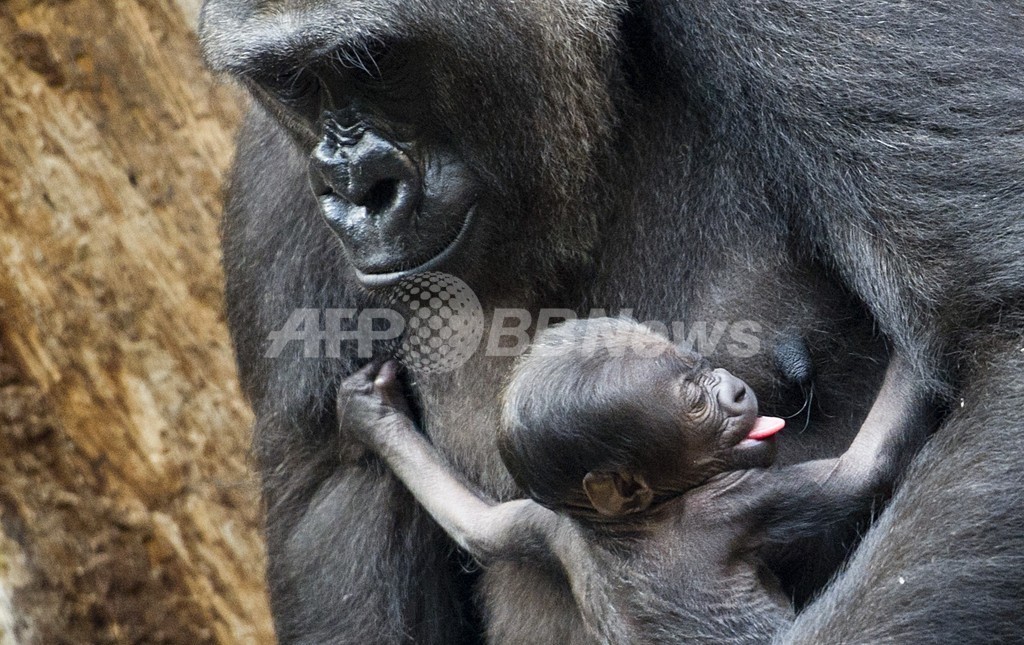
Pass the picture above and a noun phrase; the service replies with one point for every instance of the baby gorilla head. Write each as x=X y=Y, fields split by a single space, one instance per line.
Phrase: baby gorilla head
x=605 y=415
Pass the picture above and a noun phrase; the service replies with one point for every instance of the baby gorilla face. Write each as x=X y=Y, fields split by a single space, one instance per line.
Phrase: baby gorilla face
x=720 y=428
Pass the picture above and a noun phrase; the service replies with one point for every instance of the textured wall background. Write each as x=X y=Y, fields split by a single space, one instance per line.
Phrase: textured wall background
x=127 y=511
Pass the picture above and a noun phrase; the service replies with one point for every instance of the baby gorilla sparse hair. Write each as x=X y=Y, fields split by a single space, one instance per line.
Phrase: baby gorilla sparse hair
x=649 y=477
x=606 y=402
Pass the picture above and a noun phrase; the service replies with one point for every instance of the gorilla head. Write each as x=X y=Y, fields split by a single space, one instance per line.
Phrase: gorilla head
x=408 y=172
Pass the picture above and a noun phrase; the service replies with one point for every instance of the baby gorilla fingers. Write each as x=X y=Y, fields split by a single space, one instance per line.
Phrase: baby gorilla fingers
x=371 y=402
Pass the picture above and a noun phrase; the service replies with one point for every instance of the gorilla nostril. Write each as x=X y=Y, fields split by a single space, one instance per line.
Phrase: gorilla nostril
x=741 y=394
x=380 y=197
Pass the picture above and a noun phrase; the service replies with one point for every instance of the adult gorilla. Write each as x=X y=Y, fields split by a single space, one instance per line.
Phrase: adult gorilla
x=822 y=168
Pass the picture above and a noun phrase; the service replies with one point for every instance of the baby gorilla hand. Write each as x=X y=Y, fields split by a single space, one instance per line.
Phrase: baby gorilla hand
x=371 y=405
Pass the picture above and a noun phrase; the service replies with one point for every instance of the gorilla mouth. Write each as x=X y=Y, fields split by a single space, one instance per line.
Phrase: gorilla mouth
x=765 y=427
x=375 y=280
x=762 y=429
x=752 y=433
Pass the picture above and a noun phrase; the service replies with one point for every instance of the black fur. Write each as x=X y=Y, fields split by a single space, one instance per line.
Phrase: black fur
x=823 y=169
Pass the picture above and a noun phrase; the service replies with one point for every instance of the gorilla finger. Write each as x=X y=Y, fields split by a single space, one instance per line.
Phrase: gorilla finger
x=387 y=376
x=389 y=387
x=360 y=381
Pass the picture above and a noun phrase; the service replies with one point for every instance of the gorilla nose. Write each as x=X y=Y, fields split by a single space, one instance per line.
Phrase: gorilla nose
x=372 y=173
x=734 y=395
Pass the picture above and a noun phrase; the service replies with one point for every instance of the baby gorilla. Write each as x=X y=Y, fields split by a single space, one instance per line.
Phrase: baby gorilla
x=648 y=473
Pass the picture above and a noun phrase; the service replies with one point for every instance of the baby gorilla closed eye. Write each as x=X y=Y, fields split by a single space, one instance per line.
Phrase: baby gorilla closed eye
x=648 y=473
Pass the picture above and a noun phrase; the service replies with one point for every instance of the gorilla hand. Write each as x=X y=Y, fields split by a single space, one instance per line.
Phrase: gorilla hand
x=371 y=406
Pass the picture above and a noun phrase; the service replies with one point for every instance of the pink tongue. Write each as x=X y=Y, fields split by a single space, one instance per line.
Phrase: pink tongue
x=765 y=427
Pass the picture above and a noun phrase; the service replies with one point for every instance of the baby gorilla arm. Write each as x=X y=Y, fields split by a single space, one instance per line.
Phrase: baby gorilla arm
x=372 y=408
x=898 y=424
x=816 y=492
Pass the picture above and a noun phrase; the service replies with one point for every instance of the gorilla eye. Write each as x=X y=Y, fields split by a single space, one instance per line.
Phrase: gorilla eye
x=296 y=89
x=696 y=397
x=379 y=66
x=699 y=406
x=369 y=58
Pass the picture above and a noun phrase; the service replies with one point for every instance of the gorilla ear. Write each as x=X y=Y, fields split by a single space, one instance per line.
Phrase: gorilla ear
x=617 y=494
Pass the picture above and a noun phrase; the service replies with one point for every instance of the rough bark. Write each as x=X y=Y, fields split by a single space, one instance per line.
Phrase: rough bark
x=127 y=510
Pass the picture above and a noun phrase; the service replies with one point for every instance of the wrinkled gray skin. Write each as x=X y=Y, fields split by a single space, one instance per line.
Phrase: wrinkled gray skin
x=829 y=170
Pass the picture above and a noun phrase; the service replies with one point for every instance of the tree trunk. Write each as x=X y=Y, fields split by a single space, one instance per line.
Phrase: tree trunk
x=127 y=510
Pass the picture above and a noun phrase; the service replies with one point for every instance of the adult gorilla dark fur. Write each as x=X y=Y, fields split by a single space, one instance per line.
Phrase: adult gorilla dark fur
x=828 y=169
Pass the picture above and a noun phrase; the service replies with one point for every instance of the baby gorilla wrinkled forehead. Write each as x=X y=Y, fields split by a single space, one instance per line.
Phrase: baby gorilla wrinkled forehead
x=603 y=417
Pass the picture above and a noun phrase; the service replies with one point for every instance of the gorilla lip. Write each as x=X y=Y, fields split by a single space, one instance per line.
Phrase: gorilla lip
x=765 y=428
x=378 y=280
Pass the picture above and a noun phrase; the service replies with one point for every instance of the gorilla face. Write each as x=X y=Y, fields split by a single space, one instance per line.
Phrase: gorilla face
x=437 y=139
x=399 y=203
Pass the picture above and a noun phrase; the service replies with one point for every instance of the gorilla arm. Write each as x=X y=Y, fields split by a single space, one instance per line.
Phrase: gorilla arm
x=371 y=407
x=807 y=494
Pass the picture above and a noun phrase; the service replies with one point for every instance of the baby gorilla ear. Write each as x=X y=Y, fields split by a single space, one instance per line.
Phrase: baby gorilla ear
x=617 y=494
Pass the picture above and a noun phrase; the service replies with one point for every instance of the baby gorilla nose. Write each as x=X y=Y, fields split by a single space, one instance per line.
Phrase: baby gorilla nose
x=741 y=394
x=734 y=396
